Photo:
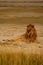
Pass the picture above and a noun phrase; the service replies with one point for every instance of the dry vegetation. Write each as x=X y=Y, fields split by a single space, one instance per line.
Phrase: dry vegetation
x=21 y=9
x=15 y=54
x=20 y=55
x=10 y=14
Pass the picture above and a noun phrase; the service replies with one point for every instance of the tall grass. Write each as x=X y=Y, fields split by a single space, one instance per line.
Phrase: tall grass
x=11 y=56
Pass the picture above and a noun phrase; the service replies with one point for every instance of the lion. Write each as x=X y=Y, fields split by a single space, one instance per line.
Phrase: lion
x=30 y=34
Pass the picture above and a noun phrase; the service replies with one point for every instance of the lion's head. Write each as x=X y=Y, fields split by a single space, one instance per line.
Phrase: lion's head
x=31 y=33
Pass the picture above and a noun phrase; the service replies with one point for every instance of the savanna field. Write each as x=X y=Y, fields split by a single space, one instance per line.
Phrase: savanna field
x=13 y=22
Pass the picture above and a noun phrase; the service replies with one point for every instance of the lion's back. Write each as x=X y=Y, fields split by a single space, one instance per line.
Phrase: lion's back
x=20 y=38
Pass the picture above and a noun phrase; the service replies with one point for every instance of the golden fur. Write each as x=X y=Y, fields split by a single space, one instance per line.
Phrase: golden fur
x=30 y=34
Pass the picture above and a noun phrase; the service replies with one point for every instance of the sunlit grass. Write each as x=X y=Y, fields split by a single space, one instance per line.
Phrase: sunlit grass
x=12 y=55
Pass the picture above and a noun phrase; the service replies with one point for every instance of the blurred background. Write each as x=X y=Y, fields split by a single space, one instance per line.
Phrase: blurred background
x=21 y=2
x=15 y=15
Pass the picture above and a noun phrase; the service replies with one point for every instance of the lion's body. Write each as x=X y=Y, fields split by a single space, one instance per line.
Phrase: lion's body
x=20 y=38
x=30 y=35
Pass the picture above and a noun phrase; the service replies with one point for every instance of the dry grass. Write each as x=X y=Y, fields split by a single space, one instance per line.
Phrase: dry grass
x=20 y=20
x=14 y=55
x=7 y=14
x=20 y=55
x=21 y=9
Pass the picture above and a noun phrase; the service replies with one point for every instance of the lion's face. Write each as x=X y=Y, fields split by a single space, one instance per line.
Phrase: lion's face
x=31 y=33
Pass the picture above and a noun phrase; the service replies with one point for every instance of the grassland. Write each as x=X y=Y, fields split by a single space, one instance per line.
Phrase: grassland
x=24 y=54
x=29 y=54
x=37 y=9
x=21 y=14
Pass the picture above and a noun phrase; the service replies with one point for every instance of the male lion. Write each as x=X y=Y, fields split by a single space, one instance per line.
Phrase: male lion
x=30 y=34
